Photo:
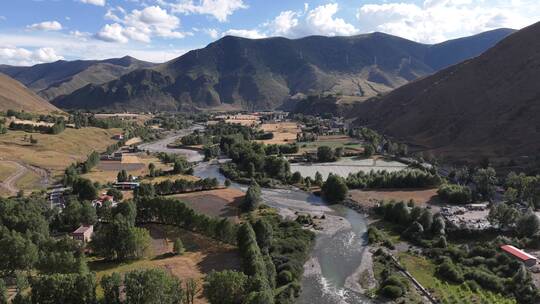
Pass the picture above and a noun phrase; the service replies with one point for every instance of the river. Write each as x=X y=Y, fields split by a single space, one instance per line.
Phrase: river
x=331 y=274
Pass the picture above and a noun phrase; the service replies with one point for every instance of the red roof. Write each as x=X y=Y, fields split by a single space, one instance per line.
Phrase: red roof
x=518 y=253
x=82 y=229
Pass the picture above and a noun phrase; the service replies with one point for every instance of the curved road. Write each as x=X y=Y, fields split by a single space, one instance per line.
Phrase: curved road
x=162 y=145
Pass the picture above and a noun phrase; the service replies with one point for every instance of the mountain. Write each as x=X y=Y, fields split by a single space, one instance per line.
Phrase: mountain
x=488 y=106
x=14 y=95
x=51 y=80
x=262 y=74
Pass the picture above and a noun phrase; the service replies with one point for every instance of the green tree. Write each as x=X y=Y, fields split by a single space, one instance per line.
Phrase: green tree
x=318 y=179
x=22 y=253
x=485 y=180
x=334 y=190
x=325 y=154
x=191 y=290
x=116 y=194
x=64 y=288
x=439 y=225
x=122 y=176
x=3 y=292
x=225 y=287
x=253 y=197
x=178 y=246
x=152 y=169
x=85 y=189
x=528 y=225
x=503 y=215
x=368 y=150
x=111 y=285
x=152 y=286
x=264 y=233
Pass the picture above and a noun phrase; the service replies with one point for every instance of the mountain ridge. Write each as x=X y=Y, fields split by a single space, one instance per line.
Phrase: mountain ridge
x=15 y=96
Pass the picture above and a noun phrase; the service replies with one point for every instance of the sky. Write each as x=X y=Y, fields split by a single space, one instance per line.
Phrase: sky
x=39 y=31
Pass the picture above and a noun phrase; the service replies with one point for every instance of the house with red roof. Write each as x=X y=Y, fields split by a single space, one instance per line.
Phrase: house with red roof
x=521 y=255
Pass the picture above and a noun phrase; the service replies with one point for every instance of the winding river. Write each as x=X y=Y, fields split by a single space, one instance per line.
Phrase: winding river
x=331 y=274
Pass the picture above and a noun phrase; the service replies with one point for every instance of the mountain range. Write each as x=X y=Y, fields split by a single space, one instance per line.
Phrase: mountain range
x=50 y=80
x=488 y=106
x=15 y=96
x=239 y=73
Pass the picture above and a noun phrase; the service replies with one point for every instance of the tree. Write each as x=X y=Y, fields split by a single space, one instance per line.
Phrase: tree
x=122 y=176
x=225 y=287
x=64 y=288
x=85 y=189
x=426 y=219
x=368 y=150
x=296 y=178
x=111 y=285
x=325 y=154
x=502 y=215
x=528 y=225
x=191 y=291
x=318 y=179
x=264 y=233
x=3 y=292
x=334 y=190
x=116 y=194
x=22 y=253
x=178 y=246
x=253 y=197
x=414 y=231
x=152 y=286
x=485 y=180
x=439 y=225
x=152 y=169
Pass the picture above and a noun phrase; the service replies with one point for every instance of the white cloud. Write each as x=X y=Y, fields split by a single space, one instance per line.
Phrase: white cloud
x=46 y=26
x=23 y=56
x=320 y=20
x=140 y=25
x=219 y=9
x=251 y=34
x=94 y=2
x=2 y=18
x=213 y=33
x=439 y=20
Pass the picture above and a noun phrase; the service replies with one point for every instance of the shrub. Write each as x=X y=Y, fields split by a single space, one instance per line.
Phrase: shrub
x=392 y=291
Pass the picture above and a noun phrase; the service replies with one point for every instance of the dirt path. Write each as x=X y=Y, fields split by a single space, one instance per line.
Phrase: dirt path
x=9 y=183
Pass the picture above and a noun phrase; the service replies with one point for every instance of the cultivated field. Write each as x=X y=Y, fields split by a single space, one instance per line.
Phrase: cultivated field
x=201 y=257
x=347 y=165
x=217 y=203
x=134 y=164
x=370 y=197
x=333 y=141
x=284 y=132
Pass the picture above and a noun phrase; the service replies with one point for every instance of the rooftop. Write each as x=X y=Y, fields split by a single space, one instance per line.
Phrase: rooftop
x=520 y=254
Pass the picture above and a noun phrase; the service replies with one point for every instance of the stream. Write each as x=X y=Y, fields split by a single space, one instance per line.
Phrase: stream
x=331 y=274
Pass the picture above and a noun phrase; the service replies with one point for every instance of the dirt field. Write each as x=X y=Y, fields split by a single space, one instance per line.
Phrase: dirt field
x=133 y=141
x=202 y=256
x=332 y=141
x=54 y=152
x=160 y=179
x=371 y=197
x=218 y=203
x=284 y=132
x=107 y=171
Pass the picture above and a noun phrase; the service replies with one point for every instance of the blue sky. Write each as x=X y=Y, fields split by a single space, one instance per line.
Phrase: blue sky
x=37 y=31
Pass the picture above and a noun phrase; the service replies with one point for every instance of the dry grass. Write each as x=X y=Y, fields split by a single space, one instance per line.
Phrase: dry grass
x=133 y=141
x=6 y=170
x=216 y=203
x=30 y=181
x=99 y=174
x=284 y=132
x=174 y=177
x=130 y=159
x=202 y=256
x=55 y=152
x=371 y=197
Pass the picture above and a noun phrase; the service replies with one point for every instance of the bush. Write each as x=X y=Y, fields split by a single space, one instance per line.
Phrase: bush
x=449 y=271
x=454 y=194
x=392 y=291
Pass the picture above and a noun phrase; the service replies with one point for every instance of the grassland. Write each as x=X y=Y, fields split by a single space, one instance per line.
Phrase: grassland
x=54 y=152
x=369 y=198
x=103 y=175
x=423 y=270
x=7 y=169
x=284 y=132
x=202 y=256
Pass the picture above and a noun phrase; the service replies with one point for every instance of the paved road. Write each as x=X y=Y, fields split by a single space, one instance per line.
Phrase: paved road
x=161 y=145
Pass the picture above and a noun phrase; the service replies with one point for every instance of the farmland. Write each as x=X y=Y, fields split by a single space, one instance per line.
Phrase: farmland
x=134 y=164
x=333 y=141
x=371 y=197
x=217 y=203
x=284 y=132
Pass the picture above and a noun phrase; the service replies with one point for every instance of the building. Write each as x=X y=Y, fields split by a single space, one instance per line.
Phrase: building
x=83 y=233
x=524 y=257
x=102 y=199
x=126 y=185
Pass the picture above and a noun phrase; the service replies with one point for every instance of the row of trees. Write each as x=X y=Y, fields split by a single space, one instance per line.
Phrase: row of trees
x=168 y=186
x=414 y=178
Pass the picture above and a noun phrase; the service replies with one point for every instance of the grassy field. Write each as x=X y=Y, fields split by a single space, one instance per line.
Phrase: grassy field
x=369 y=198
x=55 y=152
x=423 y=270
x=284 y=132
x=29 y=181
x=202 y=256
x=217 y=203
x=6 y=170
x=333 y=141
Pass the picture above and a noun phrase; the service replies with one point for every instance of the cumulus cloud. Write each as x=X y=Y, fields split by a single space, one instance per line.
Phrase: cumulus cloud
x=213 y=33
x=251 y=34
x=439 y=20
x=140 y=25
x=94 y=2
x=22 y=56
x=320 y=20
x=46 y=26
x=219 y=9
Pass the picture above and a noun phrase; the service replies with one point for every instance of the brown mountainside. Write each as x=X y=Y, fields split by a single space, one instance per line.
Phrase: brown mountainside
x=486 y=106
x=14 y=95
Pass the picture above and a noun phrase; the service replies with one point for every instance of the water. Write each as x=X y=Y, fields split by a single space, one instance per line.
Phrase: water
x=337 y=254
